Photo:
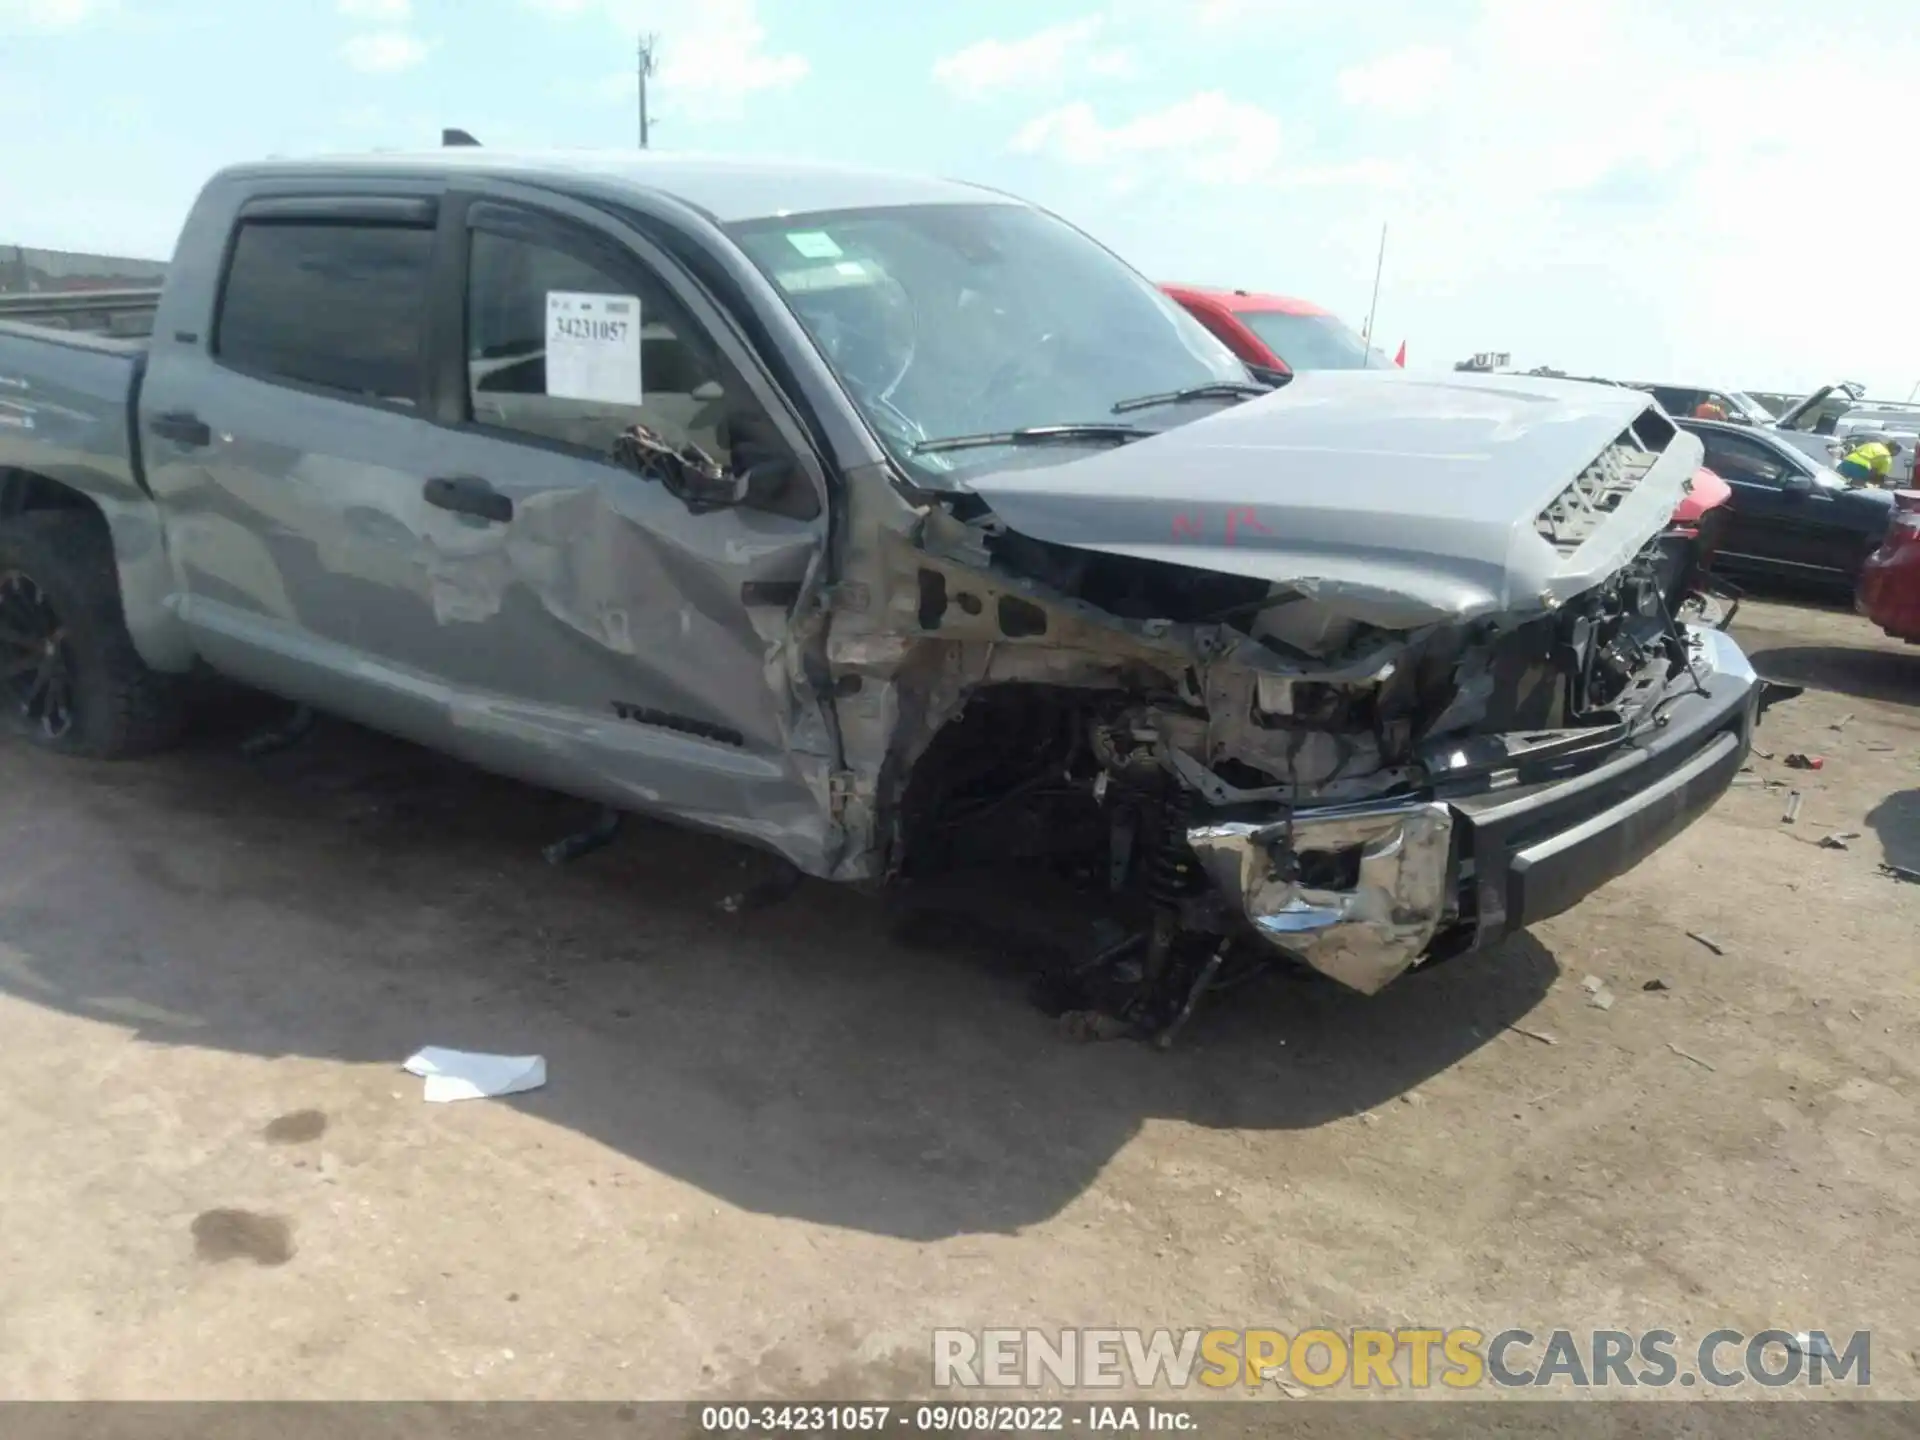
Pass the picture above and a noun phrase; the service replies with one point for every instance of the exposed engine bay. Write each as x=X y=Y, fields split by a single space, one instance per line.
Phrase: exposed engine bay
x=1107 y=786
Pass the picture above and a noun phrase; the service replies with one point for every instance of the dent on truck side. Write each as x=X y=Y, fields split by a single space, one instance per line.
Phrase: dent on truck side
x=66 y=420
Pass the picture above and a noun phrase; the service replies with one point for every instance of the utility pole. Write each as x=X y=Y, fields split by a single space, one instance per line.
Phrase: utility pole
x=648 y=44
x=1366 y=334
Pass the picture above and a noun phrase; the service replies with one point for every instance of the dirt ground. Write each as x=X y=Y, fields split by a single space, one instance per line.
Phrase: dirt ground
x=777 y=1148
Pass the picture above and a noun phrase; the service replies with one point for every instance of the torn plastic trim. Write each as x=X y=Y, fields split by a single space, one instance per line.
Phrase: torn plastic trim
x=1364 y=936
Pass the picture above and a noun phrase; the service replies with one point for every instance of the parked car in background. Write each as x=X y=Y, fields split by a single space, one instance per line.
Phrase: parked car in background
x=1277 y=332
x=1818 y=412
x=1889 y=593
x=1790 y=516
x=1681 y=401
x=1833 y=419
x=1777 y=402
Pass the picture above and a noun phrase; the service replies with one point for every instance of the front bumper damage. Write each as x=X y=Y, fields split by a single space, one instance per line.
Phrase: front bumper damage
x=1362 y=936
x=1471 y=861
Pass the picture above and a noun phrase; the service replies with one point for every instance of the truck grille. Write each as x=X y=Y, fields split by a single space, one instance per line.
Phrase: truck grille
x=1596 y=492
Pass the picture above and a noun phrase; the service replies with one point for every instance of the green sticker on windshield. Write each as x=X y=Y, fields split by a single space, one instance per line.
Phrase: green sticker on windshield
x=814 y=244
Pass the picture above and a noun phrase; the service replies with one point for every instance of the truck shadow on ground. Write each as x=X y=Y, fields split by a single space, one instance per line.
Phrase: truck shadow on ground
x=1896 y=821
x=1863 y=673
x=354 y=898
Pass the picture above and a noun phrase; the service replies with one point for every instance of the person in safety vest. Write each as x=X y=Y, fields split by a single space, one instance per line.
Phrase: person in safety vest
x=1707 y=410
x=1868 y=463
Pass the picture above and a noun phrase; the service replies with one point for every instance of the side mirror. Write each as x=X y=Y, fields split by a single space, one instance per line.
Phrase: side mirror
x=703 y=484
x=702 y=490
x=1797 y=484
x=689 y=474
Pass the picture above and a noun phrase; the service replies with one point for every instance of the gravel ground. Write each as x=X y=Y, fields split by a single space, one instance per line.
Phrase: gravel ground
x=777 y=1148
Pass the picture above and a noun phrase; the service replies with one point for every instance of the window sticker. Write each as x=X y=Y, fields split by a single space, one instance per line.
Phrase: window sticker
x=593 y=347
x=814 y=244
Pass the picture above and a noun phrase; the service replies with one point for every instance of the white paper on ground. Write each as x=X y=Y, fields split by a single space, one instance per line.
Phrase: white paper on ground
x=467 y=1075
x=593 y=347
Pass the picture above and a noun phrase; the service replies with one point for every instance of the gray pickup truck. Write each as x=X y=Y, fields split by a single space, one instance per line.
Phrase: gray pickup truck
x=891 y=526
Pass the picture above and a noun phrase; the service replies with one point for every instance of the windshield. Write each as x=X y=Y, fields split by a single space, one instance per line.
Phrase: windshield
x=1312 y=342
x=1750 y=407
x=949 y=320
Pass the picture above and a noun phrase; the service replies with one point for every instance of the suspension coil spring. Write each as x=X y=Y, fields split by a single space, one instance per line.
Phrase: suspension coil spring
x=1170 y=870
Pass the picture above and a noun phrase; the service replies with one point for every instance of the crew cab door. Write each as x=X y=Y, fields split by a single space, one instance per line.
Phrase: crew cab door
x=283 y=423
x=610 y=614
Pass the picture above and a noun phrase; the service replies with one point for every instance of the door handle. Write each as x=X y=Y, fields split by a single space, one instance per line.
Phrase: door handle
x=469 y=495
x=183 y=427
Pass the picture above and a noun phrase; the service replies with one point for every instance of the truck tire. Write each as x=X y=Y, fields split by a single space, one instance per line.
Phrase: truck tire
x=70 y=679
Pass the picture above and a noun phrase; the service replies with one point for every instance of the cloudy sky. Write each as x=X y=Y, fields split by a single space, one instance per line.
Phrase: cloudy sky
x=1694 y=190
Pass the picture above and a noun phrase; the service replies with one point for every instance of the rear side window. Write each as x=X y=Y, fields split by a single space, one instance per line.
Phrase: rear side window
x=337 y=305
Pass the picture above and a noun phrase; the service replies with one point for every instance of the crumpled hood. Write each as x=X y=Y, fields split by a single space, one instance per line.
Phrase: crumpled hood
x=1396 y=499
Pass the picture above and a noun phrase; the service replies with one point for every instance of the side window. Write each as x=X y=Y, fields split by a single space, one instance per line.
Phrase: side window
x=341 y=305
x=1732 y=458
x=678 y=388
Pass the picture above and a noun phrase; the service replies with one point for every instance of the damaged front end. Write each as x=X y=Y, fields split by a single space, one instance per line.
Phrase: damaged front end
x=1322 y=742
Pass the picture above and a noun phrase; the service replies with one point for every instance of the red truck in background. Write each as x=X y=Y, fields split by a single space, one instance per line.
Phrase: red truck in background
x=1889 y=593
x=1277 y=332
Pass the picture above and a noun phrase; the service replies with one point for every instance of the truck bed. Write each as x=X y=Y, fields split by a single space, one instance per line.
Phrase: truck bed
x=66 y=402
x=75 y=339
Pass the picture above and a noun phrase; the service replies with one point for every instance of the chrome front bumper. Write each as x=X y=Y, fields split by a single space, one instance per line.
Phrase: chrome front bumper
x=1495 y=858
x=1364 y=936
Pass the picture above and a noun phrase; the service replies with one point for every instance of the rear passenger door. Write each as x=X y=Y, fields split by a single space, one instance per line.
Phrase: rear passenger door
x=287 y=439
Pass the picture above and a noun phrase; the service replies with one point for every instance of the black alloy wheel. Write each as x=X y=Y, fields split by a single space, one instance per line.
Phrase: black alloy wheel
x=36 y=660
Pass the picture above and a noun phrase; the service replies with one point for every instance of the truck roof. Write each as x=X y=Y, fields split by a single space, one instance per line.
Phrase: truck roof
x=1246 y=301
x=728 y=189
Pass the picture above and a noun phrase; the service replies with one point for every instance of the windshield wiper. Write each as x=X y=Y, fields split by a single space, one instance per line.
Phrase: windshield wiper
x=1212 y=390
x=1118 y=434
